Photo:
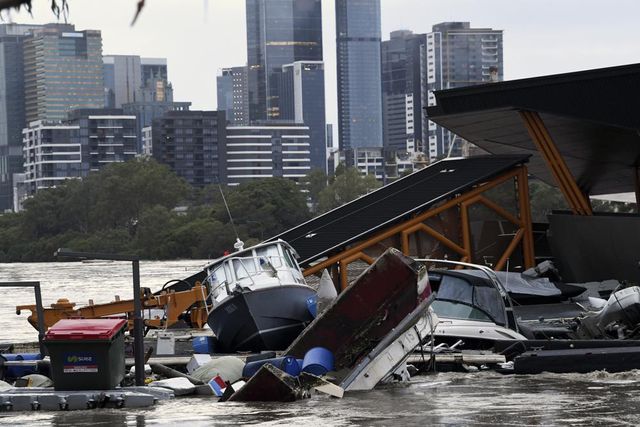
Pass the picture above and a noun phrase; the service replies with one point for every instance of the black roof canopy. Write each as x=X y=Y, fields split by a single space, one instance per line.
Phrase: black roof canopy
x=593 y=117
x=363 y=217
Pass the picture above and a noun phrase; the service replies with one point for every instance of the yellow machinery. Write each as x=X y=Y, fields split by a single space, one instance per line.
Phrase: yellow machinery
x=174 y=303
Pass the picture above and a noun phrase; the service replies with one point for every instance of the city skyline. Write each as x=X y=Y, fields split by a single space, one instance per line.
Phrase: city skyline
x=541 y=37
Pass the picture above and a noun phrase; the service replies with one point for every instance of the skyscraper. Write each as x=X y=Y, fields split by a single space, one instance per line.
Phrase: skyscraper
x=458 y=55
x=279 y=32
x=403 y=90
x=359 y=84
x=122 y=78
x=302 y=100
x=154 y=68
x=63 y=71
x=12 y=114
x=233 y=94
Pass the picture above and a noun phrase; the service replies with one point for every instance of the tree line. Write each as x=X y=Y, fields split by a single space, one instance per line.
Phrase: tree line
x=142 y=208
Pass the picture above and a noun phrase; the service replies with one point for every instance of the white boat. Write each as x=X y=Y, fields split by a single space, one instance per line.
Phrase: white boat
x=474 y=308
x=258 y=297
x=392 y=353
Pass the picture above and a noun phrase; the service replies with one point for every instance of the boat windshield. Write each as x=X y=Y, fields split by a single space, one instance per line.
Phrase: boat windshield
x=244 y=267
x=469 y=298
x=455 y=310
x=269 y=254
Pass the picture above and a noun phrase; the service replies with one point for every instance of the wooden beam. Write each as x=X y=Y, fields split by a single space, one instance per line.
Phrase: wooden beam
x=528 y=251
x=538 y=140
x=507 y=253
x=466 y=230
x=541 y=137
x=344 y=280
x=360 y=256
x=417 y=219
x=439 y=237
x=405 y=243
x=500 y=210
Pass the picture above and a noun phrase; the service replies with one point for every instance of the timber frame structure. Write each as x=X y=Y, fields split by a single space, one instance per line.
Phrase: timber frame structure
x=432 y=212
x=523 y=237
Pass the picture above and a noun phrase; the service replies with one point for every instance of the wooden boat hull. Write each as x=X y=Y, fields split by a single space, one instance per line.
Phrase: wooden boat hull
x=367 y=311
x=269 y=384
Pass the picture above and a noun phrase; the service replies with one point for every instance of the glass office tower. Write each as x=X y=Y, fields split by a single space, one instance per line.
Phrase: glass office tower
x=279 y=32
x=359 y=80
x=63 y=71
x=12 y=115
x=302 y=100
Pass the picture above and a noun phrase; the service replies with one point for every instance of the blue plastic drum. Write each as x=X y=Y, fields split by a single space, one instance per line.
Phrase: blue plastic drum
x=312 y=305
x=318 y=361
x=287 y=364
x=21 y=371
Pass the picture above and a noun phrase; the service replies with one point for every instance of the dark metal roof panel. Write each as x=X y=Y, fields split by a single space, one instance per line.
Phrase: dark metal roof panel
x=392 y=203
x=609 y=96
x=592 y=117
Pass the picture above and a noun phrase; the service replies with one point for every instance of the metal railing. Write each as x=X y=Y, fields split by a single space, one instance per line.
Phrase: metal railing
x=275 y=269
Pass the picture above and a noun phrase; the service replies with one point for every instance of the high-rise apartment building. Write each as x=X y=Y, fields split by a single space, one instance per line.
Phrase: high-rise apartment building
x=266 y=150
x=88 y=140
x=359 y=81
x=403 y=91
x=191 y=143
x=457 y=55
x=63 y=71
x=302 y=100
x=153 y=100
x=12 y=114
x=233 y=94
x=279 y=32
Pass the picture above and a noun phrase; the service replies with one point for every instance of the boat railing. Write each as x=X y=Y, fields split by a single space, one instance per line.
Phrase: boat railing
x=270 y=264
x=491 y=275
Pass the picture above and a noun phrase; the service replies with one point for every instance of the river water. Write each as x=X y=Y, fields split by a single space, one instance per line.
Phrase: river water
x=482 y=398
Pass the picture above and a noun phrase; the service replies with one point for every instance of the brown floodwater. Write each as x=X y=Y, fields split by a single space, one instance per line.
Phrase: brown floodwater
x=480 y=398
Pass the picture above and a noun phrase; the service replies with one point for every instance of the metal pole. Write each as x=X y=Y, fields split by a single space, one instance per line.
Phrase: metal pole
x=40 y=311
x=138 y=327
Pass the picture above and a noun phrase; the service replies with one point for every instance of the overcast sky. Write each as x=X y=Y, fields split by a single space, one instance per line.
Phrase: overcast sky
x=198 y=37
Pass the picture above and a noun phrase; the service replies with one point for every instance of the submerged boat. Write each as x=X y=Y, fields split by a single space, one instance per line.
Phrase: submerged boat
x=258 y=298
x=375 y=323
x=472 y=306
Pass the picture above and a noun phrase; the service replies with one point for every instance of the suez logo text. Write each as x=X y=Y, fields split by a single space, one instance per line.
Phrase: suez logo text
x=79 y=359
x=79 y=362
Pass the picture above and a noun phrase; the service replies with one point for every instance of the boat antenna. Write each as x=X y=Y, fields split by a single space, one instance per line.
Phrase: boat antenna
x=239 y=245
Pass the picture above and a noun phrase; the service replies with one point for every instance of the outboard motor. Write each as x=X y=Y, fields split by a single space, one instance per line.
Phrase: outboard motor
x=618 y=319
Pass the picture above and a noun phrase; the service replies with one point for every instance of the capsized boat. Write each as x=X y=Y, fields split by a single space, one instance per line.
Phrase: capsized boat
x=375 y=323
x=258 y=297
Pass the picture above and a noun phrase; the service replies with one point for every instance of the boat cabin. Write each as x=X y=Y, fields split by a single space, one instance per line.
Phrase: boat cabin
x=464 y=296
x=258 y=267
